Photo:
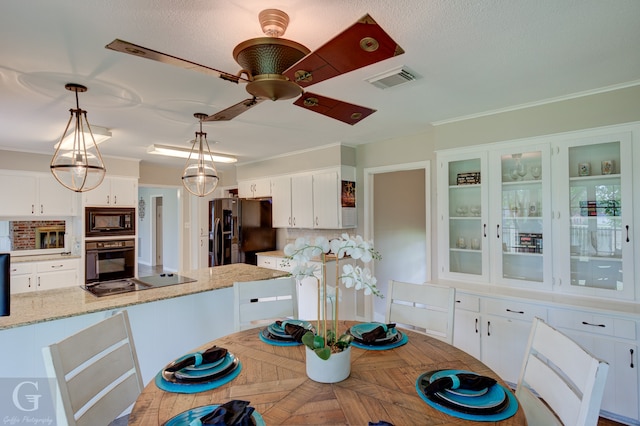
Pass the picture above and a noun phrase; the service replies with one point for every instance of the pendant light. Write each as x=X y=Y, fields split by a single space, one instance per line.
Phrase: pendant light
x=200 y=177
x=77 y=163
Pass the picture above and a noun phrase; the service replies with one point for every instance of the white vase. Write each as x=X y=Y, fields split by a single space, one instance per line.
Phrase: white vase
x=333 y=370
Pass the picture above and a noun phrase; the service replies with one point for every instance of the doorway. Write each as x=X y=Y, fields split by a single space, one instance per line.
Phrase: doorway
x=397 y=219
x=157 y=243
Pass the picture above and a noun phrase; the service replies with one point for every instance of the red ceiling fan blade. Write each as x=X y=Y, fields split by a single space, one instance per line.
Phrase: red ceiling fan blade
x=364 y=43
x=234 y=110
x=339 y=110
x=143 y=52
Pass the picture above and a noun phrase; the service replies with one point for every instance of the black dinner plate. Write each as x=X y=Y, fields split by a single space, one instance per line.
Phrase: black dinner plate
x=170 y=376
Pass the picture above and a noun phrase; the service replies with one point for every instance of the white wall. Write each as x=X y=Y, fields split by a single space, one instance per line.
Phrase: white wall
x=172 y=224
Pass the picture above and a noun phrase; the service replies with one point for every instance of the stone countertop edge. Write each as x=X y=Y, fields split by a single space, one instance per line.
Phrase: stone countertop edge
x=48 y=305
x=42 y=257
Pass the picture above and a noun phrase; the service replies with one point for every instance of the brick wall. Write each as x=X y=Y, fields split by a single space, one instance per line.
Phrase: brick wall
x=23 y=233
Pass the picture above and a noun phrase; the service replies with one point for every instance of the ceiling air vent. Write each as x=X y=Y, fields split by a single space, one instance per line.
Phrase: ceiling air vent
x=392 y=77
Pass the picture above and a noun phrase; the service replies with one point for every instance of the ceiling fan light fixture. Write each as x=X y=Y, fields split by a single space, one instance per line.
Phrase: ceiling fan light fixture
x=78 y=164
x=273 y=22
x=200 y=176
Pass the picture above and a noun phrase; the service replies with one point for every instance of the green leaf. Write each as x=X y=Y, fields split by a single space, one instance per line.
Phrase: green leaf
x=318 y=342
x=307 y=339
x=323 y=353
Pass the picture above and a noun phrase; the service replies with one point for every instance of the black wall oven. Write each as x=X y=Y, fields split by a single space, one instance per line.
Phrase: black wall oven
x=110 y=221
x=110 y=260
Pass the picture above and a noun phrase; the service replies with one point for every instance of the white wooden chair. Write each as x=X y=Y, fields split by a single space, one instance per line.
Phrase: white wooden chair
x=426 y=308
x=560 y=383
x=261 y=302
x=96 y=372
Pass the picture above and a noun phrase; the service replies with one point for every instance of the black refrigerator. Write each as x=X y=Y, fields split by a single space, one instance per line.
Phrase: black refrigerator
x=239 y=229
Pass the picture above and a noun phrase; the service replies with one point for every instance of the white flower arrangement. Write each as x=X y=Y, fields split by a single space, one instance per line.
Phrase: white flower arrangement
x=302 y=251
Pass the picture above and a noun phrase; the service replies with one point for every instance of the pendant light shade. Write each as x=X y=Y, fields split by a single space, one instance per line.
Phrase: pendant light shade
x=77 y=163
x=200 y=176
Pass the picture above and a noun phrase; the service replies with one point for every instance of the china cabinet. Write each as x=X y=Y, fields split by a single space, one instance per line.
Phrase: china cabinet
x=113 y=192
x=593 y=216
x=35 y=195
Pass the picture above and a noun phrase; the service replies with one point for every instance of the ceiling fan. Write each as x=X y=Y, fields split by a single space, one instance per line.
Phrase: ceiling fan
x=276 y=68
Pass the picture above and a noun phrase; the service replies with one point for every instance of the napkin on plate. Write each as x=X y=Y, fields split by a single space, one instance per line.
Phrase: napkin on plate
x=379 y=332
x=294 y=330
x=459 y=381
x=234 y=412
x=209 y=356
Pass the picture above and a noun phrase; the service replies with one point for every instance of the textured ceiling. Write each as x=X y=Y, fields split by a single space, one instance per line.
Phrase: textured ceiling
x=470 y=56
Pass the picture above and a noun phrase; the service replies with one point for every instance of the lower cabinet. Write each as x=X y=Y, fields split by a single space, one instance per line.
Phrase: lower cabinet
x=350 y=303
x=613 y=339
x=44 y=275
x=496 y=331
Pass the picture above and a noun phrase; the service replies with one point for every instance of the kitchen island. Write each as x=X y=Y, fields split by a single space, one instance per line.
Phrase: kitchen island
x=165 y=321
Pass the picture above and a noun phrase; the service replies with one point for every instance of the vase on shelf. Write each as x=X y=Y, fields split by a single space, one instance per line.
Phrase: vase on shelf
x=332 y=370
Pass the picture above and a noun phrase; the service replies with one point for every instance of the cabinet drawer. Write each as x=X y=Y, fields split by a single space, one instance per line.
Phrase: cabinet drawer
x=512 y=309
x=467 y=302
x=268 y=262
x=57 y=265
x=21 y=268
x=596 y=324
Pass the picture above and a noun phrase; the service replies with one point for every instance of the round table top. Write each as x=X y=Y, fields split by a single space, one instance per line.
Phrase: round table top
x=381 y=385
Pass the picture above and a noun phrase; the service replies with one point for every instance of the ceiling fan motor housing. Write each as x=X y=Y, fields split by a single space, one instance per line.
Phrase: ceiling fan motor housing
x=266 y=58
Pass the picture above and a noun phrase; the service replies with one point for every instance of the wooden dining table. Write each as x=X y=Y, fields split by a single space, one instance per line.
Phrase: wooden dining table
x=381 y=386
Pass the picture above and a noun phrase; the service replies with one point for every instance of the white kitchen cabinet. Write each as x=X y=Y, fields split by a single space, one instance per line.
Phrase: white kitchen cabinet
x=255 y=188
x=113 y=192
x=321 y=200
x=44 y=275
x=612 y=338
x=292 y=200
x=593 y=210
x=495 y=330
x=35 y=195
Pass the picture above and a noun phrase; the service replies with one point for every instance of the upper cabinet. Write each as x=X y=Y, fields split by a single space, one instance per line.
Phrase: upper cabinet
x=113 y=192
x=35 y=195
x=552 y=214
x=255 y=188
x=321 y=200
x=593 y=210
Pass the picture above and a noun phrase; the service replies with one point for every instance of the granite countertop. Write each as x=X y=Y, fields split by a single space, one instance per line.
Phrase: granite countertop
x=49 y=305
x=42 y=257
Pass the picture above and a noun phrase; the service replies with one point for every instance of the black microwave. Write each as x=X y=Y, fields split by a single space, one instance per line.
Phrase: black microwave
x=109 y=221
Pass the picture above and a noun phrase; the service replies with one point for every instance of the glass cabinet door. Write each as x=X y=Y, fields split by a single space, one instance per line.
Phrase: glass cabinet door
x=521 y=224
x=599 y=211
x=463 y=217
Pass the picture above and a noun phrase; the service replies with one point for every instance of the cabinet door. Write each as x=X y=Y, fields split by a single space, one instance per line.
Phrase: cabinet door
x=55 y=199
x=57 y=279
x=22 y=283
x=99 y=196
x=124 y=192
x=18 y=194
x=326 y=201
x=621 y=388
x=302 y=201
x=262 y=188
x=466 y=332
x=520 y=199
x=594 y=217
x=503 y=342
x=308 y=298
x=463 y=216
x=281 y=203
x=245 y=189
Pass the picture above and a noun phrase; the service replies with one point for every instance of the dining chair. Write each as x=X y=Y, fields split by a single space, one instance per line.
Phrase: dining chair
x=425 y=308
x=96 y=371
x=260 y=302
x=560 y=383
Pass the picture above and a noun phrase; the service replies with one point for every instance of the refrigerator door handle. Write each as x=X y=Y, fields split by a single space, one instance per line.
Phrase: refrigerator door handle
x=217 y=236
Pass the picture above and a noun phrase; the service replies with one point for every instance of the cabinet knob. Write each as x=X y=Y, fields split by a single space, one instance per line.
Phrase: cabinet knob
x=115 y=199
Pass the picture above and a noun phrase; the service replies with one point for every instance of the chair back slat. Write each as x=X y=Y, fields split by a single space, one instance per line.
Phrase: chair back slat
x=260 y=302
